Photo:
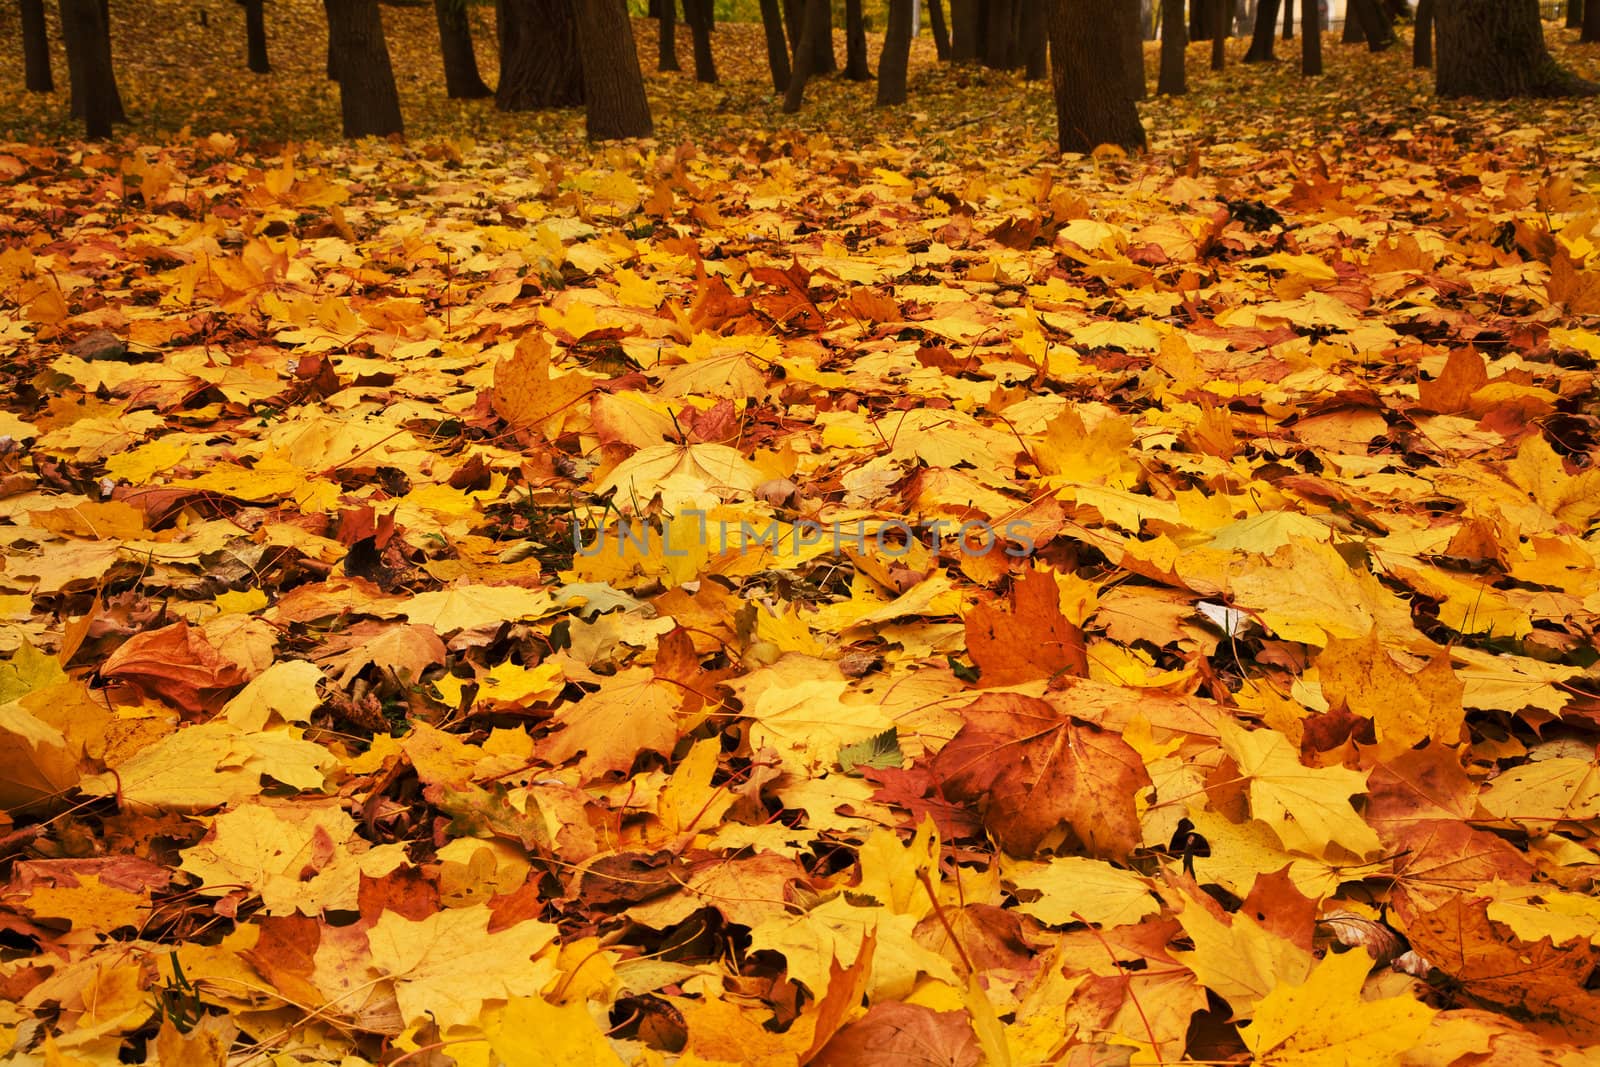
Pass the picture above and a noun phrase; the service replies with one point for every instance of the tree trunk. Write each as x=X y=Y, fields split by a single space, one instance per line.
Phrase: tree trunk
x=1353 y=33
x=1200 y=20
x=941 y=32
x=1265 y=33
x=1377 y=25
x=539 y=64
x=1090 y=86
x=1422 y=41
x=332 y=67
x=255 y=37
x=667 y=29
x=36 y=48
x=1288 y=20
x=368 y=100
x=1494 y=49
x=1591 y=22
x=1221 y=19
x=855 y=43
x=461 y=78
x=89 y=65
x=997 y=33
x=1574 y=14
x=777 y=47
x=698 y=14
x=1036 y=39
x=1132 y=44
x=1174 y=43
x=1310 y=39
x=793 y=17
x=896 y=54
x=805 y=56
x=964 y=17
x=613 y=87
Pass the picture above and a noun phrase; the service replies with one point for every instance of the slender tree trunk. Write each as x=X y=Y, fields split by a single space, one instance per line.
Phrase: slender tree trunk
x=964 y=17
x=539 y=64
x=255 y=36
x=36 y=48
x=1265 y=33
x=89 y=64
x=1422 y=41
x=1090 y=88
x=855 y=43
x=997 y=33
x=941 y=32
x=461 y=78
x=1036 y=39
x=823 y=60
x=1494 y=49
x=332 y=66
x=805 y=56
x=1310 y=39
x=1353 y=32
x=1132 y=44
x=1174 y=43
x=1200 y=19
x=1288 y=20
x=777 y=48
x=368 y=100
x=793 y=19
x=1574 y=14
x=698 y=14
x=613 y=87
x=1221 y=19
x=1591 y=22
x=1377 y=25
x=117 y=114
x=896 y=54
x=667 y=27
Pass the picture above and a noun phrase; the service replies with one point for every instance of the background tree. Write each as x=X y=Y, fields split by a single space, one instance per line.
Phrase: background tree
x=332 y=67
x=1495 y=49
x=896 y=54
x=539 y=62
x=255 y=36
x=1591 y=22
x=1422 y=35
x=777 y=48
x=35 y=48
x=1574 y=14
x=94 y=84
x=812 y=27
x=368 y=101
x=1088 y=79
x=1173 y=80
x=855 y=43
x=1372 y=22
x=666 y=12
x=461 y=78
x=1310 y=39
x=1263 y=35
x=1288 y=20
x=1221 y=18
x=997 y=39
x=965 y=18
x=1036 y=39
x=698 y=14
x=941 y=32
x=1131 y=40
x=613 y=87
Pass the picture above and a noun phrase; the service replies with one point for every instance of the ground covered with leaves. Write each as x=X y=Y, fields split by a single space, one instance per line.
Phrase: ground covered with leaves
x=847 y=589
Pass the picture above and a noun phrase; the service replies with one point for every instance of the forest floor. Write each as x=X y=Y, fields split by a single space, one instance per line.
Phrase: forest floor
x=343 y=724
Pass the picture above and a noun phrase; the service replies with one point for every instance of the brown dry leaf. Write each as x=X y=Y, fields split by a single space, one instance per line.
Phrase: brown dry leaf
x=1034 y=639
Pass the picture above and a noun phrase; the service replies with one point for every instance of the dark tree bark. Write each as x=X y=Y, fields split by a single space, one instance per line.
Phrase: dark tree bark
x=1574 y=14
x=461 y=78
x=1036 y=39
x=36 y=48
x=698 y=14
x=332 y=67
x=1494 y=49
x=805 y=55
x=1201 y=19
x=667 y=28
x=1353 y=33
x=613 y=87
x=964 y=22
x=1288 y=20
x=777 y=48
x=896 y=54
x=822 y=44
x=997 y=40
x=1377 y=25
x=855 y=43
x=1591 y=22
x=941 y=32
x=1263 y=36
x=94 y=85
x=1131 y=41
x=255 y=37
x=1422 y=41
x=368 y=100
x=539 y=64
x=1221 y=19
x=1310 y=39
x=1090 y=86
x=1174 y=43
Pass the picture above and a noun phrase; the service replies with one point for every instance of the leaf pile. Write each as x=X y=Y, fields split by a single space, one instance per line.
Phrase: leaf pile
x=780 y=599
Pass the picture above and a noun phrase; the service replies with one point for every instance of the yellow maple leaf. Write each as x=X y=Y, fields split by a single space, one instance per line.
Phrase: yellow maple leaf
x=1324 y=1022
x=1307 y=807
